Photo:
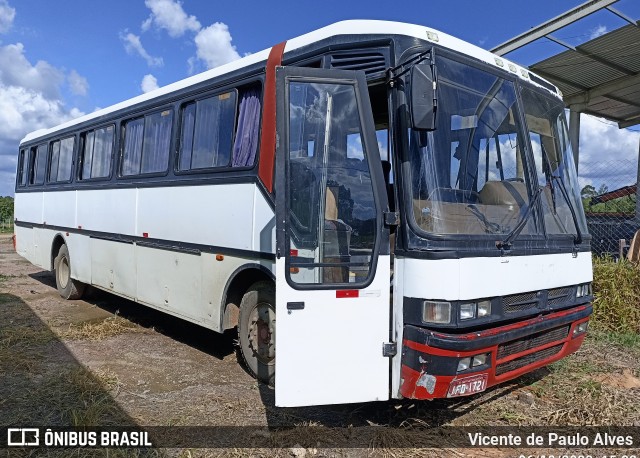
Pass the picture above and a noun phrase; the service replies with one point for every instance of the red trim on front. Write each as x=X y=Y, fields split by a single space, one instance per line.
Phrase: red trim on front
x=267 y=156
x=412 y=386
x=342 y=293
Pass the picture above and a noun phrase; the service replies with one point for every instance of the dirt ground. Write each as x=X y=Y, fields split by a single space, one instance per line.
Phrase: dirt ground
x=106 y=361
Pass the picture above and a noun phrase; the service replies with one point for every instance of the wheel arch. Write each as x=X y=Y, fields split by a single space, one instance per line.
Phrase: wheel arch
x=58 y=241
x=237 y=285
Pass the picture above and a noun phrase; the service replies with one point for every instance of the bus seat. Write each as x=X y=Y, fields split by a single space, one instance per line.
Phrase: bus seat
x=511 y=193
x=337 y=237
x=331 y=204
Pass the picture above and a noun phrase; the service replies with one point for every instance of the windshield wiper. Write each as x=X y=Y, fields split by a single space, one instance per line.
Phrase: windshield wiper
x=489 y=226
x=506 y=243
x=577 y=240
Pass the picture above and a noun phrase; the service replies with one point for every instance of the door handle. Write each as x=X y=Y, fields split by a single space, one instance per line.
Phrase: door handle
x=295 y=306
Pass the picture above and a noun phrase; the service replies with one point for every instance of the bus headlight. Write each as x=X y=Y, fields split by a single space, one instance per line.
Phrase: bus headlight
x=475 y=310
x=479 y=360
x=464 y=364
x=484 y=308
x=467 y=311
x=473 y=361
x=436 y=312
x=581 y=328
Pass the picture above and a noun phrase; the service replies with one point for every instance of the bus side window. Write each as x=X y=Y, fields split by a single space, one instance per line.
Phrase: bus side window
x=147 y=142
x=38 y=164
x=61 y=160
x=97 y=149
x=206 y=134
x=23 y=168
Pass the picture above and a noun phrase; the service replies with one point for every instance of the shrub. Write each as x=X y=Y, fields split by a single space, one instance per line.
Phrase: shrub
x=616 y=289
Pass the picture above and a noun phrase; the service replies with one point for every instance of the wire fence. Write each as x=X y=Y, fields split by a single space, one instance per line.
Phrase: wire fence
x=608 y=192
x=6 y=225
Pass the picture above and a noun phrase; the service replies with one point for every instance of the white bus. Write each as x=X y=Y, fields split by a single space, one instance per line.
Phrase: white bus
x=404 y=202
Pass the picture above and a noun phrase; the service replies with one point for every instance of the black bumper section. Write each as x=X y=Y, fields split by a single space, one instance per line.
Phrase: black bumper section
x=482 y=339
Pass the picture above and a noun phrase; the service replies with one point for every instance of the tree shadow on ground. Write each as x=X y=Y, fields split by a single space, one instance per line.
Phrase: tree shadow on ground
x=42 y=382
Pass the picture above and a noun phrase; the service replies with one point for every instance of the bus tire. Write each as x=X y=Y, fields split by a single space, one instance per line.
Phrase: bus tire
x=257 y=331
x=67 y=287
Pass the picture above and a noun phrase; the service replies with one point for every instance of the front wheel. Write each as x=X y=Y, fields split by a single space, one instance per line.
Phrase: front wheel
x=67 y=286
x=257 y=331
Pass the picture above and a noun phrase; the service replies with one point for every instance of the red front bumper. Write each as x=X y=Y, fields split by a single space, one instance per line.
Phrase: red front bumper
x=430 y=358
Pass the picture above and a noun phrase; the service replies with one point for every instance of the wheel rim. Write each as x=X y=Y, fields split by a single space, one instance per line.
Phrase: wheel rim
x=262 y=332
x=64 y=272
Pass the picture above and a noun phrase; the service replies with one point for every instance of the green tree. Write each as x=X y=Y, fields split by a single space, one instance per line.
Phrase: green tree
x=603 y=189
x=6 y=209
x=588 y=192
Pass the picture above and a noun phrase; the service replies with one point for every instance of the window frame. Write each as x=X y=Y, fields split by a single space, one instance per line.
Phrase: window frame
x=359 y=85
x=81 y=150
x=178 y=138
x=172 y=141
x=50 y=156
x=23 y=154
x=33 y=153
x=423 y=238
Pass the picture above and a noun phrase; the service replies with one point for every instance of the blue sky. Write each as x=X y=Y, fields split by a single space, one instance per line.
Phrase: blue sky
x=61 y=59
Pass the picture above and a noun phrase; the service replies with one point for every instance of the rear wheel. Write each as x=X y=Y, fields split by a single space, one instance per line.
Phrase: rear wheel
x=257 y=331
x=67 y=286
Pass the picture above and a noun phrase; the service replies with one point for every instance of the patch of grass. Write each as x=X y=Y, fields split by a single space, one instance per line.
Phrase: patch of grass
x=21 y=347
x=14 y=338
x=109 y=327
x=4 y=278
x=67 y=396
x=625 y=340
x=6 y=298
x=93 y=389
x=616 y=287
x=590 y=387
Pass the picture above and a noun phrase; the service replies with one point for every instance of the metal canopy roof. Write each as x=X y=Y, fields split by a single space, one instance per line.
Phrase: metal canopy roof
x=600 y=77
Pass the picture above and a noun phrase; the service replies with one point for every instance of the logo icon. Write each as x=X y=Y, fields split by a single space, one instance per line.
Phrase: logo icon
x=20 y=437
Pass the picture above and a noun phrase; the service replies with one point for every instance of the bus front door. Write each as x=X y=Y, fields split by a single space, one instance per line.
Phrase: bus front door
x=332 y=248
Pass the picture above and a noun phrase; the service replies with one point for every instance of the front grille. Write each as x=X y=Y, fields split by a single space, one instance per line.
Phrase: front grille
x=528 y=359
x=519 y=302
x=532 y=341
x=560 y=296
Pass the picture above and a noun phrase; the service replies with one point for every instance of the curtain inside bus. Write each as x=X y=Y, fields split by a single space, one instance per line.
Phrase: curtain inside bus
x=246 y=142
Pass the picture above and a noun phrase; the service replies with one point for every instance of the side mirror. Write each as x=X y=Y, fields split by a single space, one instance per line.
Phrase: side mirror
x=423 y=98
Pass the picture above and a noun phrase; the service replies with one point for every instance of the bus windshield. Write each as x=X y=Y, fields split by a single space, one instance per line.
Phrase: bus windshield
x=472 y=175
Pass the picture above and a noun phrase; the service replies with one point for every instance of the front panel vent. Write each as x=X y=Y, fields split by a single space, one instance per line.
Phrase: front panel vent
x=369 y=61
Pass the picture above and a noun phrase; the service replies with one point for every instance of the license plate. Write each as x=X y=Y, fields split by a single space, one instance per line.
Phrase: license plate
x=467 y=386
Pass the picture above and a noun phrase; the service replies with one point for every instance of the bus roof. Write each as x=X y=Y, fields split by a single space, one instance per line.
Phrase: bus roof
x=350 y=27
